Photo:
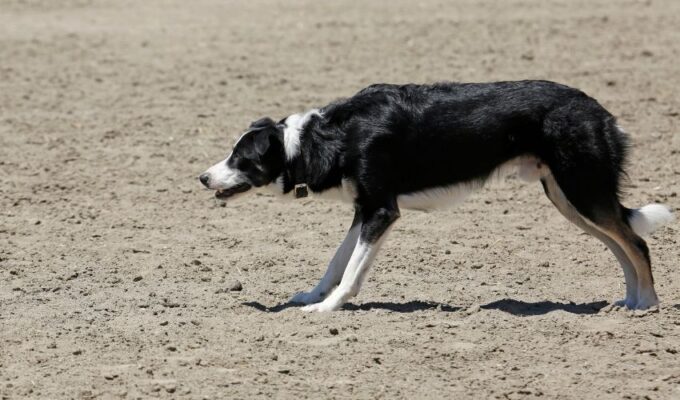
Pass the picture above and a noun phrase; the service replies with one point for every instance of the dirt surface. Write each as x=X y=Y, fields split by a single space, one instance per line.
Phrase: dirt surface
x=115 y=267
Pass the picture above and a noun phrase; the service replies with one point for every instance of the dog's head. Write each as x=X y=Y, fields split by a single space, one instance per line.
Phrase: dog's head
x=257 y=160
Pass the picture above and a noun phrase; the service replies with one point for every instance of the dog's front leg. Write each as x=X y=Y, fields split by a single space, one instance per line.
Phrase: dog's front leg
x=375 y=225
x=336 y=267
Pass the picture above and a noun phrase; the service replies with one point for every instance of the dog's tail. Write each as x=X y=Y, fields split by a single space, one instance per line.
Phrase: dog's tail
x=649 y=218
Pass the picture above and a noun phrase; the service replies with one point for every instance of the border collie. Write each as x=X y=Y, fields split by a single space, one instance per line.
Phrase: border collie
x=427 y=146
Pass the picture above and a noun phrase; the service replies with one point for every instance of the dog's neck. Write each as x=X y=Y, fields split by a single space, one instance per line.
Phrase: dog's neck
x=293 y=177
x=293 y=128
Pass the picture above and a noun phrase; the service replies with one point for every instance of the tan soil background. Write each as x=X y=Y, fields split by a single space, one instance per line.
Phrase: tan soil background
x=114 y=265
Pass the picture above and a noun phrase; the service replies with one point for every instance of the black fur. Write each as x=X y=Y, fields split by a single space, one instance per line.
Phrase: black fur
x=391 y=140
x=396 y=139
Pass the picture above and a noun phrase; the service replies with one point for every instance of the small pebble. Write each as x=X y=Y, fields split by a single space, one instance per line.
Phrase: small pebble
x=137 y=279
x=235 y=286
x=109 y=376
x=333 y=331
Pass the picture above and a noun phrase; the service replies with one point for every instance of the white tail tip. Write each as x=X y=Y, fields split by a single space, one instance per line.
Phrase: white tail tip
x=649 y=218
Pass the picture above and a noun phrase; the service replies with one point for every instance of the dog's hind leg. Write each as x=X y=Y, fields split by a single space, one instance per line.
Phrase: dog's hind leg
x=555 y=194
x=375 y=225
x=336 y=268
x=585 y=151
x=638 y=252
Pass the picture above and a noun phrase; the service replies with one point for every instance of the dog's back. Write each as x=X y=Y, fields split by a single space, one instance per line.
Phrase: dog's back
x=415 y=137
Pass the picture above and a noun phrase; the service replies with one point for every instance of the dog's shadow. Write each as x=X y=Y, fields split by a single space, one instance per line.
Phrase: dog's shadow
x=510 y=306
x=523 y=308
x=407 y=307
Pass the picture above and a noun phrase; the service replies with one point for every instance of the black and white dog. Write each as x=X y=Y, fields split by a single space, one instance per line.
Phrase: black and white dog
x=426 y=146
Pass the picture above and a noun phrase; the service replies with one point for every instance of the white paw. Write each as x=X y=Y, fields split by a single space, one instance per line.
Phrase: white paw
x=648 y=303
x=306 y=298
x=626 y=303
x=324 y=306
x=647 y=299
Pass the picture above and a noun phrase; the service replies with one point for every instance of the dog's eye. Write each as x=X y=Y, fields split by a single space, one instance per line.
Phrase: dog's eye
x=244 y=164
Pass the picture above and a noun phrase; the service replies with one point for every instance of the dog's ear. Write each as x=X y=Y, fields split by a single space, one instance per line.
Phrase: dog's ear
x=262 y=123
x=266 y=140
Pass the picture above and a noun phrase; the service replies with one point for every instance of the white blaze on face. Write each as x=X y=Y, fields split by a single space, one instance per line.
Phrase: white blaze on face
x=222 y=177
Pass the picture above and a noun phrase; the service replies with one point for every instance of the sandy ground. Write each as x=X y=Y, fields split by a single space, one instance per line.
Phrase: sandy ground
x=115 y=266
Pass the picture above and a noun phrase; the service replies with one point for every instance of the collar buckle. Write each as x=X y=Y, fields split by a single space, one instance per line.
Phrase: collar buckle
x=300 y=190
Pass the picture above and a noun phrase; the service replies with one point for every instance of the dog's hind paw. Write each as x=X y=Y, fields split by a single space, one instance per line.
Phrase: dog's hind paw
x=306 y=298
x=625 y=303
x=647 y=300
x=647 y=305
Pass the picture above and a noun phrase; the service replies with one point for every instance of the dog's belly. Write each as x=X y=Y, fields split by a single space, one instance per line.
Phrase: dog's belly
x=529 y=169
x=346 y=192
x=439 y=197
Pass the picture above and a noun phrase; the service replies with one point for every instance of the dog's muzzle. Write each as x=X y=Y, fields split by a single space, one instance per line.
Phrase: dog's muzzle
x=222 y=194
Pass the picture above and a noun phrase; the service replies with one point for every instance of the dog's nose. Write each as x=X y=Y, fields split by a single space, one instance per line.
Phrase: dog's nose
x=205 y=179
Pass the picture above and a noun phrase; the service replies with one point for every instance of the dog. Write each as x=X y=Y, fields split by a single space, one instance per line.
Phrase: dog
x=413 y=146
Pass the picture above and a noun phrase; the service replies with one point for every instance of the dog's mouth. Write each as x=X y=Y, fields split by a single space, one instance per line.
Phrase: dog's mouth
x=226 y=193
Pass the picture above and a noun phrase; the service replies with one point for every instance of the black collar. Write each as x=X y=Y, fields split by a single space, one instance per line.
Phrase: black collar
x=295 y=178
